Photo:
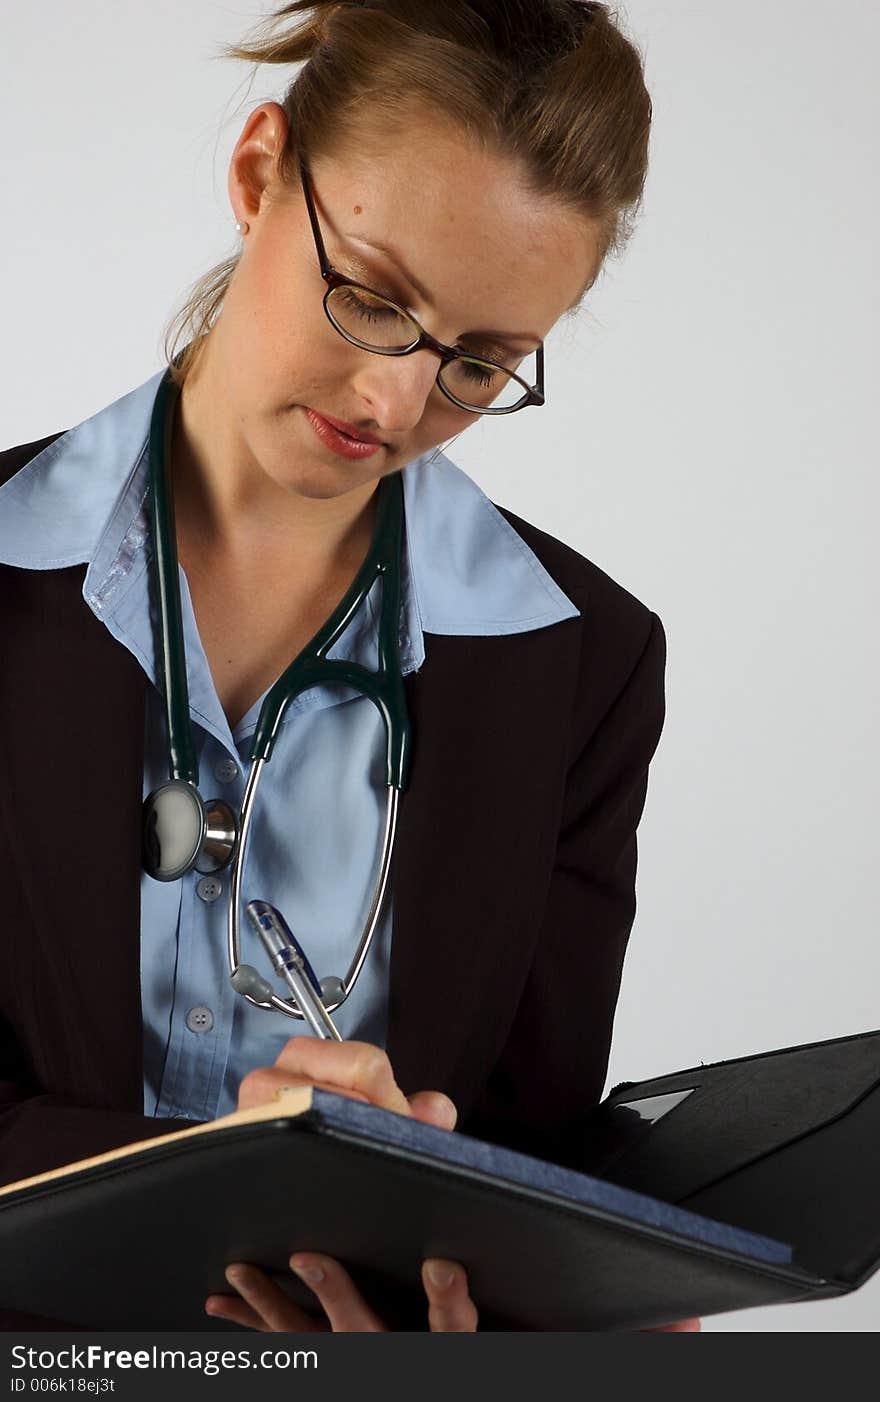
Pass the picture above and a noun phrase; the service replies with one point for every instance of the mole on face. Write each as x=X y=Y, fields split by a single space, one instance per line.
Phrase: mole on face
x=357 y=209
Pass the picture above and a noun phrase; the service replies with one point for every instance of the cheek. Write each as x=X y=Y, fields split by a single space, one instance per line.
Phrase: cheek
x=289 y=359
x=283 y=321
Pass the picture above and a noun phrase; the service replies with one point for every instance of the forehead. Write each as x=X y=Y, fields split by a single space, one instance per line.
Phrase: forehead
x=485 y=249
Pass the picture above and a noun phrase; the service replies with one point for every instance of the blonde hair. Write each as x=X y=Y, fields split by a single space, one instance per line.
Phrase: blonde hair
x=553 y=84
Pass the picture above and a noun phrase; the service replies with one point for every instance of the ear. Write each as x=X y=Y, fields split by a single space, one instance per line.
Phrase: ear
x=253 y=168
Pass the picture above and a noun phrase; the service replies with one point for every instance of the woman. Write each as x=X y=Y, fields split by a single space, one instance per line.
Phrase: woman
x=453 y=167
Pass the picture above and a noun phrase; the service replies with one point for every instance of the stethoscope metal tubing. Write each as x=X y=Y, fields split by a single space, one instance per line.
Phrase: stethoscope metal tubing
x=363 y=948
x=233 y=926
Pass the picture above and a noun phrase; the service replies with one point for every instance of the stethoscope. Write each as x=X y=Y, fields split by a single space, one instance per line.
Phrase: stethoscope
x=182 y=831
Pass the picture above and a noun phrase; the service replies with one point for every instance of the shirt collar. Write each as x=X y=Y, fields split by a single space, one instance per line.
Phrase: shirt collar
x=54 y=511
x=467 y=571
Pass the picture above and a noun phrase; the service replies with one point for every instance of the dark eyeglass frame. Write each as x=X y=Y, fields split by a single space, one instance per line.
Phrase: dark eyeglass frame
x=533 y=394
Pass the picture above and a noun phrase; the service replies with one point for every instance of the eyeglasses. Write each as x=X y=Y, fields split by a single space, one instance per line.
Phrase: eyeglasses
x=375 y=323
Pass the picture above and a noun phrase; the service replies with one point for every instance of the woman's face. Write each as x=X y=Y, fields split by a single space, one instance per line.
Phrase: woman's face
x=485 y=254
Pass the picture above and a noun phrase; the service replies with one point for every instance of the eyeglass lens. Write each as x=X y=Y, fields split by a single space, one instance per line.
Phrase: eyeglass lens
x=376 y=324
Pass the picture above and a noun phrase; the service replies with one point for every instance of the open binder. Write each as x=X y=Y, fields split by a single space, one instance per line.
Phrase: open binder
x=718 y=1188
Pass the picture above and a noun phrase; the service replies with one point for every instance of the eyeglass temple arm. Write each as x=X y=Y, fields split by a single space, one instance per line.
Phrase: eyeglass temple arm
x=313 y=220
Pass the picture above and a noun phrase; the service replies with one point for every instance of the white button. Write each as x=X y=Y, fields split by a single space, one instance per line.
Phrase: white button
x=209 y=888
x=200 y=1019
x=225 y=770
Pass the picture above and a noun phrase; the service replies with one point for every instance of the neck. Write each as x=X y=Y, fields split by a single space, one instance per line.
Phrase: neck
x=228 y=505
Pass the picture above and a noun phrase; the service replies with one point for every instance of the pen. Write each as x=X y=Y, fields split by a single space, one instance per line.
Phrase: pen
x=290 y=962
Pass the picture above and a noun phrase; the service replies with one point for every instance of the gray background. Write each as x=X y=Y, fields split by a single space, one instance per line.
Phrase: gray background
x=705 y=441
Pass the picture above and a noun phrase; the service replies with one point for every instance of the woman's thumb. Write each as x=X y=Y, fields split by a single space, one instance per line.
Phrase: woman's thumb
x=432 y=1107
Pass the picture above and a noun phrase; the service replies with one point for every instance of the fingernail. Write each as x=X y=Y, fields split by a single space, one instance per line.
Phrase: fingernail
x=308 y=1271
x=441 y=1276
x=450 y=1114
x=234 y=1274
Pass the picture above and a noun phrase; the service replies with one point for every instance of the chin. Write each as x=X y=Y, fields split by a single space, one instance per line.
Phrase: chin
x=322 y=482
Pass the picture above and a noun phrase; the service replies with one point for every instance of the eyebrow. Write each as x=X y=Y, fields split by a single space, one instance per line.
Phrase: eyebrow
x=394 y=257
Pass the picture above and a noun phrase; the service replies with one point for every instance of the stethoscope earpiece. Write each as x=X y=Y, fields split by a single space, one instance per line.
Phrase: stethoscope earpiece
x=250 y=984
x=332 y=991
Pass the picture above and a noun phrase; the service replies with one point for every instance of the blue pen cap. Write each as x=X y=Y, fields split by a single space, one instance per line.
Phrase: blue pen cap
x=278 y=938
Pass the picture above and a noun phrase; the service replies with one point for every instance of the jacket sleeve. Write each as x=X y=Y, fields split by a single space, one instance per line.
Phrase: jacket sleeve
x=562 y=1031
x=39 y=1132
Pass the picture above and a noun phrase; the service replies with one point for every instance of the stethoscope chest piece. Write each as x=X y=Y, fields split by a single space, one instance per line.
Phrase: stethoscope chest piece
x=182 y=832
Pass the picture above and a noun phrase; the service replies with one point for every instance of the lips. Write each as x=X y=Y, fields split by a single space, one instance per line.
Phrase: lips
x=338 y=440
x=350 y=431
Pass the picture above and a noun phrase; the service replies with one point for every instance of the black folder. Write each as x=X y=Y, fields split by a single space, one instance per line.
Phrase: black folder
x=718 y=1188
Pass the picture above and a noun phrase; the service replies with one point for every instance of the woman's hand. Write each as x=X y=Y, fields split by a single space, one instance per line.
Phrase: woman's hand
x=261 y=1304
x=356 y=1069
x=362 y=1072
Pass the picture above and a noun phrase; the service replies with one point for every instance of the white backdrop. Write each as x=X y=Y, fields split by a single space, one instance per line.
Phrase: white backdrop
x=706 y=441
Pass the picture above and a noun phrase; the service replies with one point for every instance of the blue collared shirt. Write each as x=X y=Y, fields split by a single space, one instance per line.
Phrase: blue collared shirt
x=317 y=825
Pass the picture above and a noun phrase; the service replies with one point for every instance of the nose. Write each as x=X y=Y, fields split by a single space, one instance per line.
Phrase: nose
x=396 y=388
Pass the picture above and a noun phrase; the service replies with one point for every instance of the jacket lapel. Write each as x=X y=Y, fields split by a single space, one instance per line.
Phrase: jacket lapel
x=71 y=767
x=489 y=717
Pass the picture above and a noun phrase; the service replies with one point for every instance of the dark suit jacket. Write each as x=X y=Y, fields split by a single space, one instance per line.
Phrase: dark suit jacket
x=513 y=883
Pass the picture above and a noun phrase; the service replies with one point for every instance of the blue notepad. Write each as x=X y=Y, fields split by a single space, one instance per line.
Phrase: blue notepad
x=352 y=1118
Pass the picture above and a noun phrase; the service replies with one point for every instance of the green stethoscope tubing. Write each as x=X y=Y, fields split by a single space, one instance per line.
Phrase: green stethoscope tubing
x=310 y=668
